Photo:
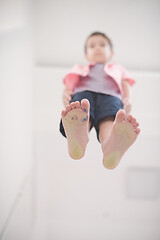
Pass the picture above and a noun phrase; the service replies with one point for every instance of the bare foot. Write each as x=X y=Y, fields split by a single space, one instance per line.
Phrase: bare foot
x=75 y=121
x=123 y=134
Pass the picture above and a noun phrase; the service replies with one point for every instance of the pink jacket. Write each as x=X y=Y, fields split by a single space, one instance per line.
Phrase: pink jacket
x=114 y=70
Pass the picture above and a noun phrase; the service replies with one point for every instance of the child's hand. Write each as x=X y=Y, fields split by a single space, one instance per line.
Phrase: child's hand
x=127 y=105
x=67 y=95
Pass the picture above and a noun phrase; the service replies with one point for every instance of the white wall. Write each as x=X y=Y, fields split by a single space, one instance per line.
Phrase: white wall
x=61 y=28
x=16 y=138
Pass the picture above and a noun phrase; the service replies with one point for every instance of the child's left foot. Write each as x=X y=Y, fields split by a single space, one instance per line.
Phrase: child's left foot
x=123 y=134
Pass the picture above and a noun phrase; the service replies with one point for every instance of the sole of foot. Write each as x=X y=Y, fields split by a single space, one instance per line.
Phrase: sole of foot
x=75 y=119
x=123 y=134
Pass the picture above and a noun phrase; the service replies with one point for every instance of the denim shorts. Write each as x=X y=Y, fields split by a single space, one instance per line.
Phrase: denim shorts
x=101 y=106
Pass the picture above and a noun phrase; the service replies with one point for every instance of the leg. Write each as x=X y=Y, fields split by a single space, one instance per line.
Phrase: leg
x=105 y=127
x=76 y=124
x=116 y=137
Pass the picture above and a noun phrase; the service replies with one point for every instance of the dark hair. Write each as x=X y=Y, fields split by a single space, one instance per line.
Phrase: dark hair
x=98 y=34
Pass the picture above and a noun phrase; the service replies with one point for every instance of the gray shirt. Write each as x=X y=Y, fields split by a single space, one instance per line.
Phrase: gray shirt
x=98 y=81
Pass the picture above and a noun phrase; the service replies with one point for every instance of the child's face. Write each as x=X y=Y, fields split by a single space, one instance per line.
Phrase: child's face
x=98 y=50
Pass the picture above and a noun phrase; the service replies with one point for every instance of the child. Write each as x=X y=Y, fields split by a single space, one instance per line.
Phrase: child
x=95 y=96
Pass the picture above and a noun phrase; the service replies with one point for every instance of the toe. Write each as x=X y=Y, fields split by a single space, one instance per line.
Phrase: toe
x=85 y=105
x=73 y=105
x=136 y=124
x=129 y=118
x=133 y=121
x=120 y=116
x=68 y=108
x=77 y=104
x=63 y=113
x=138 y=130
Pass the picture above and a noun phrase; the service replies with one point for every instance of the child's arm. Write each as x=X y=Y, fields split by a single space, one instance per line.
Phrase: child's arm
x=71 y=81
x=67 y=95
x=126 y=96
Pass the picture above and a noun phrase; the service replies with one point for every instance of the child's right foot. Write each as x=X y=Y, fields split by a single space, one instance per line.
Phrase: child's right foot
x=75 y=121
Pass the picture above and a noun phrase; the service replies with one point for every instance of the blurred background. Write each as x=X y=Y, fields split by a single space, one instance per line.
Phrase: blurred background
x=44 y=194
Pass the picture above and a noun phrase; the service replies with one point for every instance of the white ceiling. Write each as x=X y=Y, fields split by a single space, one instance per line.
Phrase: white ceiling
x=61 y=27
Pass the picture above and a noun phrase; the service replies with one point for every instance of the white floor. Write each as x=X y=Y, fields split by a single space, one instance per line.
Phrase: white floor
x=81 y=199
